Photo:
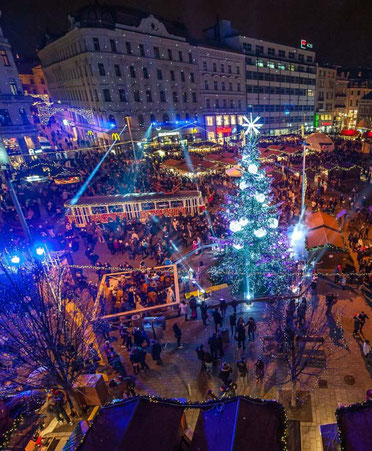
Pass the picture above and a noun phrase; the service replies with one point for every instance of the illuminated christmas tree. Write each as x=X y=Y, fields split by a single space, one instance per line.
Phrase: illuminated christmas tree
x=255 y=259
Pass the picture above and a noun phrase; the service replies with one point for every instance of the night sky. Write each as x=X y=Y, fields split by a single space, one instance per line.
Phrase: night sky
x=341 y=30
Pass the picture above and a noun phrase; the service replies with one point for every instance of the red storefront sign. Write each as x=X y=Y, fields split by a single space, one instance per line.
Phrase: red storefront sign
x=223 y=129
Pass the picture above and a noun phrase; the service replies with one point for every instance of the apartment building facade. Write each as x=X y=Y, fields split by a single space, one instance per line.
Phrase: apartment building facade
x=34 y=83
x=325 y=99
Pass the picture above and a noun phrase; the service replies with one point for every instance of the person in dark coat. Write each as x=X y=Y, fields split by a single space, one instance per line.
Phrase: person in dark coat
x=201 y=353
x=251 y=328
x=232 y=323
x=220 y=344
x=223 y=307
x=240 y=335
x=156 y=352
x=142 y=359
x=225 y=372
x=242 y=368
x=178 y=334
x=213 y=346
x=204 y=313
x=129 y=386
x=217 y=319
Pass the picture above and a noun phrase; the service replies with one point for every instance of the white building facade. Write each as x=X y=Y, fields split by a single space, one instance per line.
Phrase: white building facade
x=17 y=131
x=325 y=99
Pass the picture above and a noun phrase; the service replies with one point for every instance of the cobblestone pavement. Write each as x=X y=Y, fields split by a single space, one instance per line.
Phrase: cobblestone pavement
x=181 y=375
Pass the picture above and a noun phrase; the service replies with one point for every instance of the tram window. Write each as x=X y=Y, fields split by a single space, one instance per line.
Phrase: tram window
x=176 y=203
x=128 y=208
x=162 y=204
x=148 y=206
x=99 y=210
x=115 y=208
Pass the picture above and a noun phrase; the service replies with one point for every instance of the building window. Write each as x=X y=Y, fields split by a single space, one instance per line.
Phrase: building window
x=128 y=48
x=106 y=95
x=132 y=71
x=172 y=75
x=238 y=86
x=145 y=72
x=222 y=68
x=122 y=96
x=141 y=49
x=206 y=85
x=214 y=67
x=148 y=95
x=192 y=77
x=240 y=104
x=96 y=45
x=271 y=51
x=230 y=86
x=238 y=70
x=117 y=70
x=259 y=63
x=162 y=96
x=259 y=49
x=170 y=55
x=207 y=103
x=281 y=53
x=224 y=103
x=217 y=103
x=209 y=120
x=309 y=59
x=271 y=64
x=112 y=120
x=175 y=97
x=184 y=97
x=190 y=58
x=301 y=57
x=218 y=120
x=231 y=104
x=136 y=95
x=157 y=53
x=24 y=117
x=182 y=75
x=247 y=48
x=113 y=46
x=291 y=55
x=165 y=117
x=223 y=86
x=205 y=66
x=101 y=69
x=215 y=85
x=141 y=120
x=13 y=87
x=5 y=118
x=180 y=55
x=152 y=118
x=281 y=66
x=229 y=70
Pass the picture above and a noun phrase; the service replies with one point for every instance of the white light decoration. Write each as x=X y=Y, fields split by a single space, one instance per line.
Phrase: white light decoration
x=260 y=233
x=243 y=222
x=260 y=197
x=235 y=226
x=273 y=223
x=243 y=185
x=251 y=125
x=238 y=246
x=252 y=168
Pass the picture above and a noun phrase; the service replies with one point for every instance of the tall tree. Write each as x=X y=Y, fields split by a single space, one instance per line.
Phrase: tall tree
x=45 y=330
x=255 y=258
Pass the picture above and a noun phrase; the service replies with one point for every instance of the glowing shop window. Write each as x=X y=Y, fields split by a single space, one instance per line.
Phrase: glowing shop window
x=291 y=67
x=281 y=66
x=240 y=120
x=259 y=63
x=226 y=120
x=209 y=120
x=271 y=64
x=233 y=120
x=211 y=136
x=219 y=120
x=310 y=92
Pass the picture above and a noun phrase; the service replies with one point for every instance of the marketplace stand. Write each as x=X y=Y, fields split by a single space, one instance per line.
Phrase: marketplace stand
x=355 y=426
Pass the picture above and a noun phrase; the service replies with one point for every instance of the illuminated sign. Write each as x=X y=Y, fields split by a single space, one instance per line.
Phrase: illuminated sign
x=115 y=137
x=305 y=45
x=168 y=134
x=223 y=129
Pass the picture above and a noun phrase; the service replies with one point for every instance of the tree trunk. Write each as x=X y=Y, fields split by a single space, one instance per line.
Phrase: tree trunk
x=293 y=394
x=74 y=399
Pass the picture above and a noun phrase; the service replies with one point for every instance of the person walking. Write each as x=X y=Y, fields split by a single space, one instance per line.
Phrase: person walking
x=217 y=319
x=156 y=352
x=356 y=326
x=223 y=307
x=225 y=372
x=184 y=309
x=220 y=345
x=204 y=313
x=240 y=335
x=208 y=361
x=129 y=386
x=251 y=328
x=56 y=401
x=200 y=353
x=142 y=359
x=259 y=370
x=232 y=323
x=362 y=320
x=178 y=334
x=329 y=301
x=213 y=346
x=242 y=368
x=135 y=359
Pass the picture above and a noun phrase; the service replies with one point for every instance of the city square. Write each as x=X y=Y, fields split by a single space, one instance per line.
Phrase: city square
x=185 y=244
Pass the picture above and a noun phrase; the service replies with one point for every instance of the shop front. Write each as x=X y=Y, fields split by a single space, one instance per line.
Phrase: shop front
x=222 y=127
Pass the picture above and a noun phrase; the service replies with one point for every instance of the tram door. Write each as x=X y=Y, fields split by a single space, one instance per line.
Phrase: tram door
x=188 y=206
x=82 y=216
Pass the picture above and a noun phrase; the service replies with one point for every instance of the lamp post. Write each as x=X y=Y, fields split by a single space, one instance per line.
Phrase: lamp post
x=128 y=120
x=5 y=167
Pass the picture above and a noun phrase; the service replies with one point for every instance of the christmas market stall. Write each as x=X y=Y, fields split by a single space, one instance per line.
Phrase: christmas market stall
x=355 y=426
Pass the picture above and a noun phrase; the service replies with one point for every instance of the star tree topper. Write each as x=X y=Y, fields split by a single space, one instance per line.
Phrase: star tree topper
x=251 y=125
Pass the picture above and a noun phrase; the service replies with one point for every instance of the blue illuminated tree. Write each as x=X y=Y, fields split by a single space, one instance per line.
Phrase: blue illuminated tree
x=255 y=259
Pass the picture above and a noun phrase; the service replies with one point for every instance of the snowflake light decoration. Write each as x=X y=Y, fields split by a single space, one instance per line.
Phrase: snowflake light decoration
x=252 y=126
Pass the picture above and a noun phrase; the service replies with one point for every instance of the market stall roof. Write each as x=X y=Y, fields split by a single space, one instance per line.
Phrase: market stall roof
x=321 y=219
x=267 y=153
x=319 y=142
x=290 y=150
x=241 y=424
x=235 y=171
x=349 y=132
x=135 y=424
x=355 y=426
x=171 y=162
x=324 y=237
